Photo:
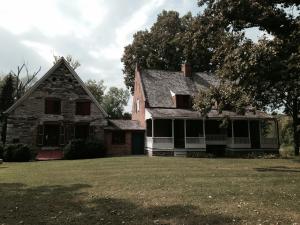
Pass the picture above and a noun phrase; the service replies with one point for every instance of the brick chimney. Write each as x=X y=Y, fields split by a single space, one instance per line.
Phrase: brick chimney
x=186 y=69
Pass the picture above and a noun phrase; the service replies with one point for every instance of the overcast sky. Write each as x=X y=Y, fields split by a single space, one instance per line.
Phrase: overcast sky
x=93 y=31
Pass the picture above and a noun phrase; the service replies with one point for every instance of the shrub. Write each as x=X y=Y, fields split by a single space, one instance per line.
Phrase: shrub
x=1 y=152
x=17 y=153
x=83 y=149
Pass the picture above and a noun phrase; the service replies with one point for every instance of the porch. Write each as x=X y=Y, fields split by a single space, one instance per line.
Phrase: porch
x=197 y=134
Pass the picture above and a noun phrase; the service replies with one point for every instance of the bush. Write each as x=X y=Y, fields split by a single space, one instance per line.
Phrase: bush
x=17 y=153
x=1 y=152
x=84 y=149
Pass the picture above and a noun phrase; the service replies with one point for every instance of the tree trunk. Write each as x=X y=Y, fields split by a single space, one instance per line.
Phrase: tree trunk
x=295 y=125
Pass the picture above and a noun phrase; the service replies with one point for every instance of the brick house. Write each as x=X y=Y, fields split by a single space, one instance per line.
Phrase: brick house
x=162 y=103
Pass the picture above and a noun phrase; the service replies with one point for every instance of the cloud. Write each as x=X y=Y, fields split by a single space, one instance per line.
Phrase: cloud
x=93 y=31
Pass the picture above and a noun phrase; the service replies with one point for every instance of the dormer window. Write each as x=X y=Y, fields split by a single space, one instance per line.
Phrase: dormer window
x=52 y=106
x=183 y=101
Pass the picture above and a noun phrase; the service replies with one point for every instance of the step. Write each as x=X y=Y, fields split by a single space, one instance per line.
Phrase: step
x=180 y=153
x=44 y=155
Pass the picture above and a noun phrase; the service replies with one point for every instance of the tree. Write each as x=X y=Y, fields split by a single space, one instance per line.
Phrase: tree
x=6 y=100
x=7 y=93
x=114 y=102
x=171 y=41
x=97 y=89
x=73 y=62
x=225 y=96
x=268 y=70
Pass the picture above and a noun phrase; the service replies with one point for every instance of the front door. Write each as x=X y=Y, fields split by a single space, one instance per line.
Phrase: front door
x=51 y=135
x=138 y=139
x=255 y=134
x=179 y=139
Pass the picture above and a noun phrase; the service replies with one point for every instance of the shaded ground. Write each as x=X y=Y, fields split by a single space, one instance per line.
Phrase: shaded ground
x=141 y=190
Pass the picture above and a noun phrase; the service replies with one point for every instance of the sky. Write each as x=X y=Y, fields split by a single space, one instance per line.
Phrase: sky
x=94 y=32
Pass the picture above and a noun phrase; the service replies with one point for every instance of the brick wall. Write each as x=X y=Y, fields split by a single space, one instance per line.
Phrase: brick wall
x=118 y=150
x=138 y=95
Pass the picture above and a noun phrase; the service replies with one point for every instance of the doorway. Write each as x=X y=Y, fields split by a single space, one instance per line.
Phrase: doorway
x=179 y=138
x=51 y=135
x=255 y=134
x=138 y=139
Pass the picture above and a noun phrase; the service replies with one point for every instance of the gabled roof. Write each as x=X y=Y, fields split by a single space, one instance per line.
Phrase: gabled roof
x=158 y=85
x=43 y=78
x=124 y=125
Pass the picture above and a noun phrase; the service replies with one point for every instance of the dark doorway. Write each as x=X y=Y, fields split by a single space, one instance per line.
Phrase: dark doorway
x=179 y=139
x=51 y=135
x=254 y=134
x=138 y=140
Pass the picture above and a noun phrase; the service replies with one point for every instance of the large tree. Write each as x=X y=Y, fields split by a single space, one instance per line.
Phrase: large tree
x=268 y=70
x=171 y=41
x=97 y=88
x=114 y=102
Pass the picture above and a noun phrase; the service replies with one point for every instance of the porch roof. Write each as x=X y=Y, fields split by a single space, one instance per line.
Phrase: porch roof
x=165 y=113
x=124 y=125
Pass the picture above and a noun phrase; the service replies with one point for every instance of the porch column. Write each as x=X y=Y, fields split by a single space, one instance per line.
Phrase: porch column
x=232 y=132
x=277 y=132
x=249 y=131
x=184 y=133
x=203 y=125
x=173 y=132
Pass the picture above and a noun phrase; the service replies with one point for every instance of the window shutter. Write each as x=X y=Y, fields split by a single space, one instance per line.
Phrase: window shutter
x=62 y=135
x=40 y=135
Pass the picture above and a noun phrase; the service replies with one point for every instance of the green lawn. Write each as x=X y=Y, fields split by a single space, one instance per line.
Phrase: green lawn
x=158 y=190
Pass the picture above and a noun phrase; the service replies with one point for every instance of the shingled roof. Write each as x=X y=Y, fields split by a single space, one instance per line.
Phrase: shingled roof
x=158 y=85
x=124 y=125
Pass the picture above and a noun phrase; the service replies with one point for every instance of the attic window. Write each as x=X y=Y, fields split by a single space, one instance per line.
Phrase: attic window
x=83 y=108
x=183 y=101
x=52 y=106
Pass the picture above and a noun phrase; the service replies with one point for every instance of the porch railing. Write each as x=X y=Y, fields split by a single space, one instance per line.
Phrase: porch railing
x=160 y=142
x=269 y=142
x=195 y=140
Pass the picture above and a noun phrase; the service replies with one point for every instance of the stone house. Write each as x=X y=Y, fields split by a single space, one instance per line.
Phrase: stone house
x=58 y=108
x=162 y=103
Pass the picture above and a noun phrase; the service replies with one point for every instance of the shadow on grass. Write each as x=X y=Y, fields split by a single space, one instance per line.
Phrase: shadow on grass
x=279 y=169
x=71 y=205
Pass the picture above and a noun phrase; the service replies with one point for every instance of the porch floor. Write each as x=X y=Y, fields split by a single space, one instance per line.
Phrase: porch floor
x=44 y=155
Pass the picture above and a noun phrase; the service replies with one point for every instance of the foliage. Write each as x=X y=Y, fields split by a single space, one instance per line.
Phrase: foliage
x=225 y=96
x=69 y=58
x=114 y=102
x=97 y=89
x=7 y=93
x=1 y=151
x=82 y=149
x=285 y=124
x=268 y=70
x=171 y=41
x=17 y=153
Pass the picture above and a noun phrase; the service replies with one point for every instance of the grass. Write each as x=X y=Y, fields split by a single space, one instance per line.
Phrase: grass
x=142 y=190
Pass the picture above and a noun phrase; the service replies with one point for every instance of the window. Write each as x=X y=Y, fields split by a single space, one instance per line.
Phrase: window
x=83 y=108
x=118 y=137
x=137 y=105
x=183 y=101
x=52 y=106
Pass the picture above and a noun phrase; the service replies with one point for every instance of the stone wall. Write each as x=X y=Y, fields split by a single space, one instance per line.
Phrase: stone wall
x=25 y=118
